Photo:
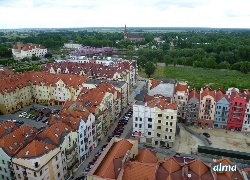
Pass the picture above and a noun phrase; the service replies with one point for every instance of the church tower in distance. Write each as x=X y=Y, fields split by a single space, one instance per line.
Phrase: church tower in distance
x=125 y=33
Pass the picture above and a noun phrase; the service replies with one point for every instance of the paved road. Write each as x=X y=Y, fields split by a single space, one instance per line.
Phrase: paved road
x=28 y=122
x=126 y=134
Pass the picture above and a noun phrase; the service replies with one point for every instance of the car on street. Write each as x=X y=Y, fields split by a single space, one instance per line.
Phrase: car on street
x=117 y=135
x=87 y=168
x=123 y=122
x=109 y=138
x=206 y=134
x=28 y=116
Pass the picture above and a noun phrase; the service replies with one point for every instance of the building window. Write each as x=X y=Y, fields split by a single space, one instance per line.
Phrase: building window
x=35 y=174
x=170 y=130
x=166 y=137
x=166 y=123
x=167 y=129
x=57 y=166
x=159 y=121
x=170 y=137
x=172 y=117
x=149 y=125
x=140 y=125
x=171 y=124
x=140 y=119
x=135 y=125
x=150 y=119
x=58 y=175
x=159 y=115
x=3 y=162
x=158 y=127
x=136 y=119
x=149 y=133
x=158 y=135
x=56 y=158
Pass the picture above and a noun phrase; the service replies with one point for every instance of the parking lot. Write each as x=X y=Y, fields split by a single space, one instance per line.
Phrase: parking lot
x=28 y=121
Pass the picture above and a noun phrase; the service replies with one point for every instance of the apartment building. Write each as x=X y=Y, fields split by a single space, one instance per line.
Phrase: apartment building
x=19 y=90
x=11 y=141
x=193 y=106
x=121 y=71
x=21 y=50
x=64 y=137
x=38 y=160
x=98 y=101
x=164 y=87
x=246 y=122
x=181 y=93
x=221 y=109
x=207 y=107
x=154 y=121
x=120 y=86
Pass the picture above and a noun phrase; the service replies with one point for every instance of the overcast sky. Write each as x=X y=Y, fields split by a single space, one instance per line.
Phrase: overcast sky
x=116 y=13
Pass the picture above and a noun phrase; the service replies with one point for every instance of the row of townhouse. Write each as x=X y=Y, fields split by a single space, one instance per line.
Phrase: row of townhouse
x=122 y=159
x=120 y=71
x=19 y=90
x=211 y=108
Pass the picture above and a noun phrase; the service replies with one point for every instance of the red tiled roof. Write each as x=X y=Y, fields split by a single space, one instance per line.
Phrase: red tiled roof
x=106 y=168
x=154 y=83
x=161 y=103
x=207 y=91
x=181 y=87
x=7 y=126
x=146 y=156
x=55 y=131
x=199 y=167
x=15 y=140
x=194 y=94
x=139 y=171
x=171 y=165
x=35 y=148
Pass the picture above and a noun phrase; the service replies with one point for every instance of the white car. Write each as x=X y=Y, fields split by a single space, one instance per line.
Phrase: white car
x=20 y=115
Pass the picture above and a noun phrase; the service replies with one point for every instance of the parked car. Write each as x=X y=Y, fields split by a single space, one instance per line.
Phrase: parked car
x=109 y=138
x=45 y=120
x=87 y=168
x=33 y=108
x=35 y=117
x=28 y=116
x=123 y=122
x=39 y=118
x=206 y=134
x=117 y=135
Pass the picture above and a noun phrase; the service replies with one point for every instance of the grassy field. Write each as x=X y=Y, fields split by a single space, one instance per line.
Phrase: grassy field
x=198 y=77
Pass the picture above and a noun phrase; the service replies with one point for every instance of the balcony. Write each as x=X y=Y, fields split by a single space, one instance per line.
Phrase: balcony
x=70 y=157
x=73 y=164
x=85 y=139
x=68 y=151
x=240 y=107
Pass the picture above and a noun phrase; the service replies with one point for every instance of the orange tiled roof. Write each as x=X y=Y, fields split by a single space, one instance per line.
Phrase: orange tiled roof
x=13 y=141
x=106 y=168
x=181 y=87
x=198 y=167
x=171 y=165
x=27 y=47
x=146 y=156
x=7 y=126
x=194 y=94
x=55 y=132
x=139 y=171
x=207 y=91
x=154 y=83
x=35 y=148
x=161 y=103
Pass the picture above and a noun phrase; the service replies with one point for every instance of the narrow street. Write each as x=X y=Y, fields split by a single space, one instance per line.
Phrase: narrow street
x=126 y=134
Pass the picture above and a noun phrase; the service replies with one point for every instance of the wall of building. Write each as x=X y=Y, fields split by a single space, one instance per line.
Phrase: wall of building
x=221 y=113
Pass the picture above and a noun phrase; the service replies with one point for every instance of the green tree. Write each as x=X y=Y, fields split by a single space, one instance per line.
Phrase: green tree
x=150 y=68
x=211 y=63
x=224 y=65
x=167 y=59
x=245 y=67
